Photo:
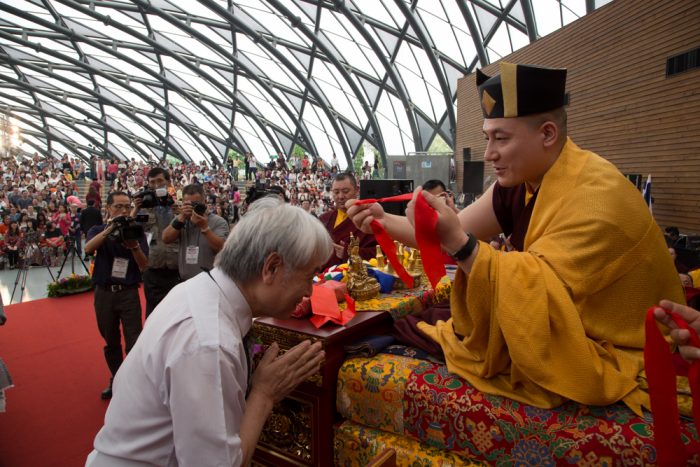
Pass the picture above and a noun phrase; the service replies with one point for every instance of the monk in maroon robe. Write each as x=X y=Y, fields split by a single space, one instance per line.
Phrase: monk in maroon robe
x=340 y=227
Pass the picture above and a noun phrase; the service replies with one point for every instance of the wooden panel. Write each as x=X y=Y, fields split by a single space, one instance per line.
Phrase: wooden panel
x=622 y=104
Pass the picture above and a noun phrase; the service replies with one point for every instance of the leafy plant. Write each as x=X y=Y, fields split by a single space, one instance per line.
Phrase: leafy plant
x=69 y=285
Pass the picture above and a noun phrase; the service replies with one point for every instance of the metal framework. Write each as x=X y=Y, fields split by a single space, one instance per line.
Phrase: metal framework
x=150 y=79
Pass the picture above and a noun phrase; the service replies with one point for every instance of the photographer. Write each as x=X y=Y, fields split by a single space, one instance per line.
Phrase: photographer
x=121 y=256
x=162 y=272
x=437 y=187
x=201 y=234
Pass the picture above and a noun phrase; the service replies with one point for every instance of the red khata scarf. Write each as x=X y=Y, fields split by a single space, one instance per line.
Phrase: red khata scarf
x=661 y=376
x=428 y=242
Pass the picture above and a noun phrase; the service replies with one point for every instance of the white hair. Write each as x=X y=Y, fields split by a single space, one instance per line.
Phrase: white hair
x=270 y=225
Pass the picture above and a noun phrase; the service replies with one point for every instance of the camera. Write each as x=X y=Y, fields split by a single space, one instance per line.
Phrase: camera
x=199 y=208
x=151 y=199
x=126 y=228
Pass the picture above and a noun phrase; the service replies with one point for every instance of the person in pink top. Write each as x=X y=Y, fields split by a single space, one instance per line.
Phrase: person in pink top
x=62 y=219
x=236 y=203
x=112 y=170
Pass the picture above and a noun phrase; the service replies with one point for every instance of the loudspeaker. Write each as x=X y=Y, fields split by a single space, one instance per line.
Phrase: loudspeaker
x=384 y=189
x=473 y=177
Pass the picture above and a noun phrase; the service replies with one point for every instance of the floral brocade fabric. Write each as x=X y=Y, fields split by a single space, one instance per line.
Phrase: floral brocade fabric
x=400 y=303
x=357 y=445
x=422 y=401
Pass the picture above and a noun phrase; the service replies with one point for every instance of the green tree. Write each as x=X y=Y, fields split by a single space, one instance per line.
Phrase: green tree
x=233 y=154
x=359 y=159
x=380 y=165
x=172 y=160
x=298 y=151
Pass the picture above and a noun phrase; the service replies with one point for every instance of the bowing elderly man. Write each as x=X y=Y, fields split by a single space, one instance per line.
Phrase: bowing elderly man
x=185 y=394
x=561 y=318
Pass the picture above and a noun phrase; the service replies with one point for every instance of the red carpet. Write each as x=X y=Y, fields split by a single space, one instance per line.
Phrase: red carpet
x=54 y=353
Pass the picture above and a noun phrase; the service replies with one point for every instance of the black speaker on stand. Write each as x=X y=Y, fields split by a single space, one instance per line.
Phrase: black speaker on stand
x=384 y=189
x=472 y=180
x=473 y=177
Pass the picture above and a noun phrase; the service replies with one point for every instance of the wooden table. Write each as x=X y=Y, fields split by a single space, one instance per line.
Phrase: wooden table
x=300 y=430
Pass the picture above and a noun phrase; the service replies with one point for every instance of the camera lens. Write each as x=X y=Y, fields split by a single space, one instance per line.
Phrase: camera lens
x=199 y=208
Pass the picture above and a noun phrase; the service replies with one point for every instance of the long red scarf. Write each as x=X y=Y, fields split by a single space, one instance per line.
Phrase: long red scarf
x=661 y=376
x=426 y=235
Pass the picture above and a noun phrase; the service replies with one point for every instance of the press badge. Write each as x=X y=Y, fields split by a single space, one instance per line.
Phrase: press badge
x=192 y=255
x=119 y=267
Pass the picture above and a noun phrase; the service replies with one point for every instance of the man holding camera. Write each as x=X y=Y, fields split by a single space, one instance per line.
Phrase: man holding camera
x=121 y=255
x=201 y=234
x=162 y=273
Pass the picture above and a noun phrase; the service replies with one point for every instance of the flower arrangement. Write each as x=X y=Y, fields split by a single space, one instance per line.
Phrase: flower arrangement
x=69 y=285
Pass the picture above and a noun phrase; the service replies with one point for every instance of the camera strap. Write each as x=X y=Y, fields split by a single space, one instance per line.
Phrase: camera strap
x=191 y=251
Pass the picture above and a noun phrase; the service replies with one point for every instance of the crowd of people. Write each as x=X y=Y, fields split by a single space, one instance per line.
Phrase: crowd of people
x=41 y=206
x=301 y=182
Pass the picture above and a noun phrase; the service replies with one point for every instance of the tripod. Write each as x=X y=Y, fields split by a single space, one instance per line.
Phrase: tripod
x=23 y=262
x=23 y=269
x=71 y=251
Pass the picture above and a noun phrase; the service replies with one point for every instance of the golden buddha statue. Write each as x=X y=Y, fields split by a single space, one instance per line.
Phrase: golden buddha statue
x=360 y=285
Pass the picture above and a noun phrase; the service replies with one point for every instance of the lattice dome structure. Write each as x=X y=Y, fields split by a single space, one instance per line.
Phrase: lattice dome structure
x=195 y=79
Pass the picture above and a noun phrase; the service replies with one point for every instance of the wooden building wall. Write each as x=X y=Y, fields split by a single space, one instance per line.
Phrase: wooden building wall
x=622 y=105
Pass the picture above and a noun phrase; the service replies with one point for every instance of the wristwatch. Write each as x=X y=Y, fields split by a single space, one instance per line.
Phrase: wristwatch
x=205 y=230
x=176 y=224
x=466 y=251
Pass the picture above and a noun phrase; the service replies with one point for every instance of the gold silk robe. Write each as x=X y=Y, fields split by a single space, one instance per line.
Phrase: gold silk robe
x=564 y=319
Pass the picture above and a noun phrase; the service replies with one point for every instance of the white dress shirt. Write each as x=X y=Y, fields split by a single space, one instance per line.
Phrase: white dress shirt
x=179 y=396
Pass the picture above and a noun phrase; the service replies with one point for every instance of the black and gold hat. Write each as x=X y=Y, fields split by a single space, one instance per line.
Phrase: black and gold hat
x=521 y=90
